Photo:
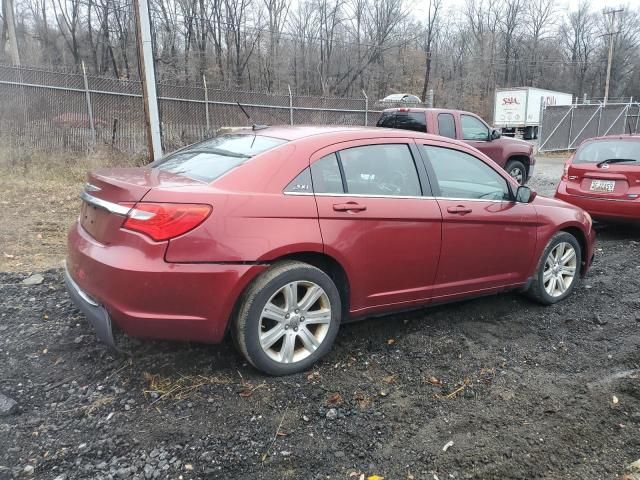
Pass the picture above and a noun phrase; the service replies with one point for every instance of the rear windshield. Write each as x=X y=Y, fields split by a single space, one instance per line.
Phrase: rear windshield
x=601 y=150
x=208 y=160
x=415 y=121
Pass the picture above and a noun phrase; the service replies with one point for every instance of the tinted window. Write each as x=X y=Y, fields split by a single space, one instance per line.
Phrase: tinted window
x=208 y=160
x=380 y=170
x=415 y=121
x=446 y=125
x=326 y=175
x=460 y=175
x=600 y=150
x=473 y=129
x=301 y=184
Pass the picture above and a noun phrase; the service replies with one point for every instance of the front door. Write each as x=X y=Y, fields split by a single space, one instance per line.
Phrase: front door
x=478 y=134
x=488 y=239
x=376 y=221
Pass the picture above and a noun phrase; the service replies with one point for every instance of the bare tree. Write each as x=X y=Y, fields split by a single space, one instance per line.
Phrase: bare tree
x=432 y=24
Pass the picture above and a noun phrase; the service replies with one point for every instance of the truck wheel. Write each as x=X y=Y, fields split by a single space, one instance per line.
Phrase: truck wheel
x=517 y=170
x=528 y=133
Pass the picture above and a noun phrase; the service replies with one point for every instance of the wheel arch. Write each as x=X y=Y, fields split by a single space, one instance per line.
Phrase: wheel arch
x=324 y=262
x=582 y=240
x=520 y=157
x=331 y=267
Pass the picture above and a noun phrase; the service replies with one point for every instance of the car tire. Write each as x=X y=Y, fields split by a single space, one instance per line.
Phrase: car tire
x=549 y=271
x=283 y=290
x=517 y=170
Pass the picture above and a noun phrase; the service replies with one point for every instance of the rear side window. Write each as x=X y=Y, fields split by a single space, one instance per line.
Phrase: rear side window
x=415 y=121
x=446 y=125
x=325 y=173
x=623 y=151
x=210 y=159
x=380 y=170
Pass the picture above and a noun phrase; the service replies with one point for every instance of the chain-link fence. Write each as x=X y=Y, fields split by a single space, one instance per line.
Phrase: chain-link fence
x=565 y=127
x=49 y=111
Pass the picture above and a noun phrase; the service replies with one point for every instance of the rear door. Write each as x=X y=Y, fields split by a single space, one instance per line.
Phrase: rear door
x=378 y=218
x=587 y=176
x=488 y=239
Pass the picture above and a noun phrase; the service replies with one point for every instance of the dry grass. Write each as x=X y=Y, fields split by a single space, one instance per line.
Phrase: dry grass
x=38 y=203
x=182 y=387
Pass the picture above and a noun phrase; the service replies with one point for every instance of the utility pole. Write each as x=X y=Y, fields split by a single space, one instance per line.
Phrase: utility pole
x=611 y=33
x=148 y=77
x=11 y=31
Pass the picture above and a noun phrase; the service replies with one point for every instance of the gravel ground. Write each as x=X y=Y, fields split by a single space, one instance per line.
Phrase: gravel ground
x=515 y=390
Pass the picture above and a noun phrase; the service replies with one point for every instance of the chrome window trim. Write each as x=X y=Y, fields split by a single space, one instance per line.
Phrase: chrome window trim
x=421 y=197
x=105 y=205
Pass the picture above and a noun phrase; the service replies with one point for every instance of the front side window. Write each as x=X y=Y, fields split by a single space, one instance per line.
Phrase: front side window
x=460 y=175
x=473 y=128
x=446 y=125
x=210 y=159
x=380 y=170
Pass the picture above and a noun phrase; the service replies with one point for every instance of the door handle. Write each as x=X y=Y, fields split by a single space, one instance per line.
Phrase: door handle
x=349 y=207
x=459 y=209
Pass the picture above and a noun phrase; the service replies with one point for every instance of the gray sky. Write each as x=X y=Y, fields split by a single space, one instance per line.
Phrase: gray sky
x=564 y=6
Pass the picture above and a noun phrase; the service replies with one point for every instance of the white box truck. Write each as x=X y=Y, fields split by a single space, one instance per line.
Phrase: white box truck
x=517 y=110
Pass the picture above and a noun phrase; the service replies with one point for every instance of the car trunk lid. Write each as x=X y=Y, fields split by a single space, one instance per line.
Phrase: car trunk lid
x=110 y=193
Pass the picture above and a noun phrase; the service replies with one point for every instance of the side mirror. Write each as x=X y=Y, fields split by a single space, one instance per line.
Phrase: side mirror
x=495 y=134
x=525 y=195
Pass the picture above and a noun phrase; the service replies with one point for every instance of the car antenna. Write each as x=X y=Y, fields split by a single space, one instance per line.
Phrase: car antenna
x=254 y=126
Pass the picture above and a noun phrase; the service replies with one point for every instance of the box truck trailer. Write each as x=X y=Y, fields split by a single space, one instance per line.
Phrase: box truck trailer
x=517 y=110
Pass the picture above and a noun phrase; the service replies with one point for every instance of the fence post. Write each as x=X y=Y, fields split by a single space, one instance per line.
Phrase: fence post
x=570 y=128
x=366 y=109
x=290 y=105
x=430 y=98
x=87 y=95
x=206 y=103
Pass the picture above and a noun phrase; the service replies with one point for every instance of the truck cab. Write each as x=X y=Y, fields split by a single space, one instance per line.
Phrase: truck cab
x=515 y=156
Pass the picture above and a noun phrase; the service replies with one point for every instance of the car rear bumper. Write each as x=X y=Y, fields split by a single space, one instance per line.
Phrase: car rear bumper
x=144 y=296
x=601 y=207
x=96 y=314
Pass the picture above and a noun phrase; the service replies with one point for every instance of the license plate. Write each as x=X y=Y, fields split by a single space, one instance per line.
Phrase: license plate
x=602 y=185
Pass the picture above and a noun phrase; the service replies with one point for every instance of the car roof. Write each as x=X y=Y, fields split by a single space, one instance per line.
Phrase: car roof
x=298 y=132
x=424 y=109
x=625 y=136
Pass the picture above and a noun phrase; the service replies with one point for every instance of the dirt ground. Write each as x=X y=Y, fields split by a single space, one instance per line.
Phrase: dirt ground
x=515 y=389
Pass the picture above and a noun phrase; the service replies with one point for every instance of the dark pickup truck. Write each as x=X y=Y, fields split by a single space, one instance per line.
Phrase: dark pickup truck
x=515 y=156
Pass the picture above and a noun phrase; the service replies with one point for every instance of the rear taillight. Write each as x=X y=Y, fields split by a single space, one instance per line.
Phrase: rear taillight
x=565 y=172
x=162 y=221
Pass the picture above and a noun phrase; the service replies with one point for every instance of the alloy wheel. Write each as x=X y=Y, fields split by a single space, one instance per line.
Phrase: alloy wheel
x=559 y=269
x=517 y=173
x=295 y=321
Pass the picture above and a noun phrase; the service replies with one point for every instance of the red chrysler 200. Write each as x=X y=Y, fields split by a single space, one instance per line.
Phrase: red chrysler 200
x=278 y=235
x=603 y=177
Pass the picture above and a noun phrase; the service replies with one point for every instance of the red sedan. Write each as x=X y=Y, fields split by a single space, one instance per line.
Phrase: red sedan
x=603 y=177
x=280 y=234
